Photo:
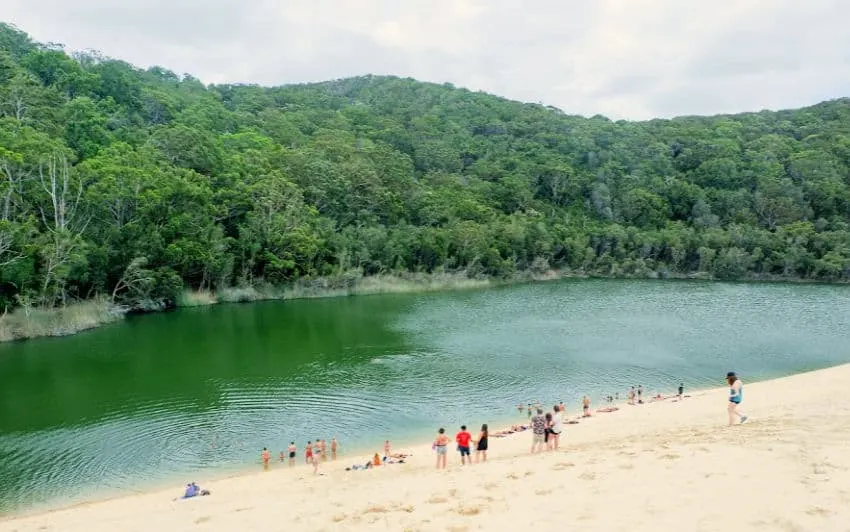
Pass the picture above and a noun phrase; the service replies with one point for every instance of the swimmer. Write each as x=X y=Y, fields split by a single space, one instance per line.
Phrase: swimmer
x=308 y=452
x=292 y=450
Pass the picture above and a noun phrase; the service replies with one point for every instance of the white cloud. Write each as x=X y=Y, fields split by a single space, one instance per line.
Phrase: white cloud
x=622 y=58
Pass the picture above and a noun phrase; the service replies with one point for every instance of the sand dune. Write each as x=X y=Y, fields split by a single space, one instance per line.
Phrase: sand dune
x=659 y=466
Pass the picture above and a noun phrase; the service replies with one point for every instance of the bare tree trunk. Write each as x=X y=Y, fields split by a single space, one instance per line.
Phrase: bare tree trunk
x=60 y=220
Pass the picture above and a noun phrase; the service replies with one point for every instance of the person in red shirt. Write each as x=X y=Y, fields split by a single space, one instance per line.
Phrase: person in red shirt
x=463 y=438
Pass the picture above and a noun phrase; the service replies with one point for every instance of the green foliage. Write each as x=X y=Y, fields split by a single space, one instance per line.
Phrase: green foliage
x=149 y=188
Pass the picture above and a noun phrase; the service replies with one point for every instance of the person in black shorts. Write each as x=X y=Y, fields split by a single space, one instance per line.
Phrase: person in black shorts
x=481 y=446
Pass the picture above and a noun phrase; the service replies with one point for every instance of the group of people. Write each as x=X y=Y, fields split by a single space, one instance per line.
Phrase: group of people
x=313 y=453
x=464 y=440
x=546 y=430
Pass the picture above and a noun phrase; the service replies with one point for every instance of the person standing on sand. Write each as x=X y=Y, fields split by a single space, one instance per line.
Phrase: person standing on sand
x=463 y=438
x=334 y=445
x=538 y=430
x=640 y=394
x=585 y=406
x=292 y=450
x=482 y=443
x=441 y=442
x=736 y=395
x=308 y=453
x=681 y=389
x=557 y=427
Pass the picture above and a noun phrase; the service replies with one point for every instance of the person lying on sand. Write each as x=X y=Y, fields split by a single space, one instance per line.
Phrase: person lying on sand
x=193 y=490
x=505 y=432
x=608 y=409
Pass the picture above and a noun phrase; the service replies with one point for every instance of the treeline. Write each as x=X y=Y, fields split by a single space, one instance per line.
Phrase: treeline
x=137 y=184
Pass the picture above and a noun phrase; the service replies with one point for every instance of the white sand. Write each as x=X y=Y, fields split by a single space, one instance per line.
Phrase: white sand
x=666 y=466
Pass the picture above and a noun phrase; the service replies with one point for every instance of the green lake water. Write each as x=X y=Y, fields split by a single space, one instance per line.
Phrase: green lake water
x=189 y=394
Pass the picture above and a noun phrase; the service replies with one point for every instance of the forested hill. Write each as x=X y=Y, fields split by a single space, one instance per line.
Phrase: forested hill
x=136 y=184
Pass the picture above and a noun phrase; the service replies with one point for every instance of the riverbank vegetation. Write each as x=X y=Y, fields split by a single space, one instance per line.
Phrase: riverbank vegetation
x=136 y=186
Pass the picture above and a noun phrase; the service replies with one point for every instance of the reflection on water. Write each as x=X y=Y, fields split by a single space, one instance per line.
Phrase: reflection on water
x=207 y=388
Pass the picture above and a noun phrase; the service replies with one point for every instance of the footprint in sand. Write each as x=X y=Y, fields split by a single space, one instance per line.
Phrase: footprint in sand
x=437 y=500
x=669 y=456
x=818 y=511
x=588 y=475
x=542 y=492
x=563 y=465
x=338 y=518
x=202 y=519
x=468 y=510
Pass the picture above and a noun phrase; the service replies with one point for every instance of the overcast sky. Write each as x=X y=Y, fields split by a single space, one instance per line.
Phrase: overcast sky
x=632 y=59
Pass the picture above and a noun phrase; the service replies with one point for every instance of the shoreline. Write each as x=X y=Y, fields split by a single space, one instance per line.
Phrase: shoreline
x=94 y=313
x=578 y=437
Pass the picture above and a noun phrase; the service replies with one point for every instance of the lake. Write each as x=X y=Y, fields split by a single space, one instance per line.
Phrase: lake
x=197 y=392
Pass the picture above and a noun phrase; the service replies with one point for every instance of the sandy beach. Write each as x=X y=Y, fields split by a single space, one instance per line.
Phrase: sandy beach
x=660 y=466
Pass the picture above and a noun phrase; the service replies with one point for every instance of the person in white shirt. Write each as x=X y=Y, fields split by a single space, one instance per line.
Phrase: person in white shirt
x=557 y=427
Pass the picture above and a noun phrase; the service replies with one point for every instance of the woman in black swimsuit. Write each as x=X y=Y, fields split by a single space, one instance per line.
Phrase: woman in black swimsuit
x=481 y=448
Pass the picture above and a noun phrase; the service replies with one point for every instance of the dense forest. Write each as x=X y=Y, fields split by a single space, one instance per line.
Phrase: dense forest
x=134 y=185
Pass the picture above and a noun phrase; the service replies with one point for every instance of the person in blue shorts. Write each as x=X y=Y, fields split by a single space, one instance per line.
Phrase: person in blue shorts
x=736 y=395
x=463 y=438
